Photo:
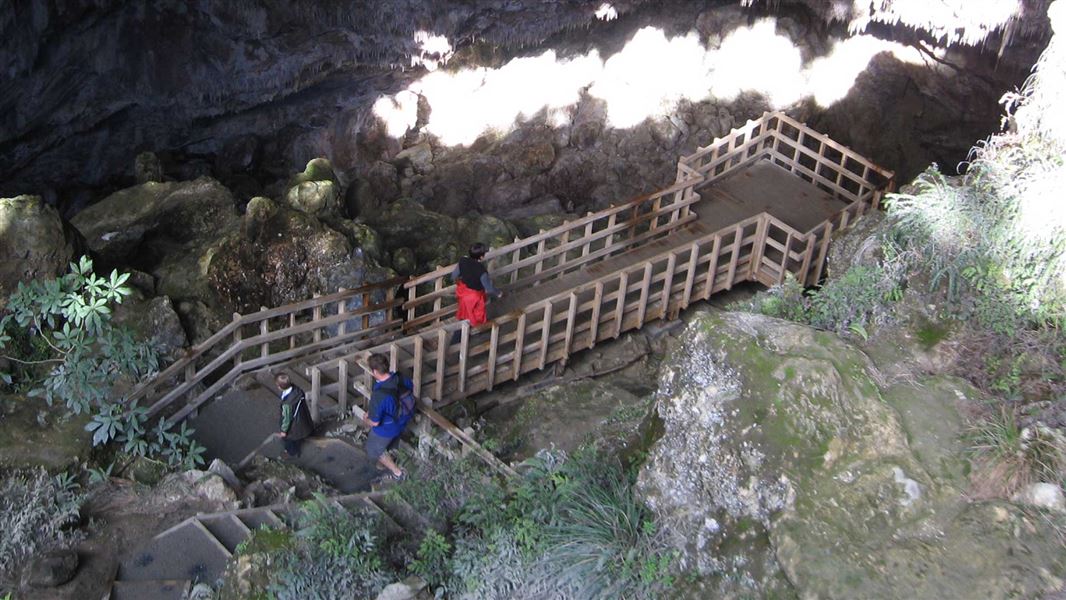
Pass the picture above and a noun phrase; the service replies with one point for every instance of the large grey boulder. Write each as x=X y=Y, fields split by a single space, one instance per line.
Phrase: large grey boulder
x=33 y=242
x=179 y=212
x=154 y=320
x=782 y=470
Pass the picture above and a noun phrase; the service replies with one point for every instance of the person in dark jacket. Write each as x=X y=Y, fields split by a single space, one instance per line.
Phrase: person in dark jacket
x=473 y=286
x=383 y=416
x=296 y=424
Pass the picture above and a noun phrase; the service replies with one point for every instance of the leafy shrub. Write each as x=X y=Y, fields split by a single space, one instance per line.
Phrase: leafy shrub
x=862 y=295
x=38 y=513
x=63 y=326
x=572 y=528
x=336 y=555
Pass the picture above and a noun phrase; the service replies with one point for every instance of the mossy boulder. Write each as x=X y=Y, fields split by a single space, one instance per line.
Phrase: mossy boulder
x=33 y=242
x=782 y=470
x=30 y=436
x=486 y=229
x=320 y=198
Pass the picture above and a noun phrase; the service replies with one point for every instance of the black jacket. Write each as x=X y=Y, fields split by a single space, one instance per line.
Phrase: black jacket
x=296 y=415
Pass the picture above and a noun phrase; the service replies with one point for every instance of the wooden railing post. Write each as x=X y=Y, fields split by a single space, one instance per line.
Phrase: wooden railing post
x=668 y=284
x=237 y=337
x=712 y=267
x=571 y=316
x=292 y=324
x=464 y=349
x=416 y=370
x=545 y=334
x=594 y=326
x=264 y=330
x=690 y=274
x=620 y=304
x=342 y=382
x=316 y=316
x=342 y=309
x=490 y=372
x=645 y=288
x=366 y=315
x=316 y=392
x=519 y=346
x=442 y=351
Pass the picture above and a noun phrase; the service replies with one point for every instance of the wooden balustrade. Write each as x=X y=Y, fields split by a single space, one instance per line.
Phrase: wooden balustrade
x=254 y=341
x=559 y=251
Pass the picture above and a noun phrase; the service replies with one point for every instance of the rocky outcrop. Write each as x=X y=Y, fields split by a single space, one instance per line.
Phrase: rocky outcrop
x=785 y=469
x=281 y=255
x=34 y=244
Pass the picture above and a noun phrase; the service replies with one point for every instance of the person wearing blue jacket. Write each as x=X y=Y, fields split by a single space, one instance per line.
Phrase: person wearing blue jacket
x=385 y=416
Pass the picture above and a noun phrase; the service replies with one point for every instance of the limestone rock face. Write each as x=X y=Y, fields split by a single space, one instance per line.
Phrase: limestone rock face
x=174 y=213
x=33 y=243
x=147 y=168
x=783 y=470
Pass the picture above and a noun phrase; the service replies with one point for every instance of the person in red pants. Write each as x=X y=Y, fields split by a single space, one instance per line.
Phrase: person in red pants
x=473 y=286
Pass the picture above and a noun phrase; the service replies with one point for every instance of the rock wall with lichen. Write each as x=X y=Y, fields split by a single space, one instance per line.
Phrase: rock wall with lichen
x=785 y=468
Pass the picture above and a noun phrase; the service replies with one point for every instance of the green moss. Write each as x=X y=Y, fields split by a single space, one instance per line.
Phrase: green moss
x=930 y=334
x=267 y=541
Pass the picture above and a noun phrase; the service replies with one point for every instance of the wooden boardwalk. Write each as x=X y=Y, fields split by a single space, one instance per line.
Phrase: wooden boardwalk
x=756 y=205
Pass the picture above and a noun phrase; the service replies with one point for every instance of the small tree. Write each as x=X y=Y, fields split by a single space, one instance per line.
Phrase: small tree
x=87 y=358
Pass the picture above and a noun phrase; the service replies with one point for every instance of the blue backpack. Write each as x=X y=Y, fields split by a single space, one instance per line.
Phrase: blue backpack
x=405 y=403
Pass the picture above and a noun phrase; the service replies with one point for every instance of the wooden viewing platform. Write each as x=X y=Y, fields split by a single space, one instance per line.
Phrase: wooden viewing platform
x=755 y=205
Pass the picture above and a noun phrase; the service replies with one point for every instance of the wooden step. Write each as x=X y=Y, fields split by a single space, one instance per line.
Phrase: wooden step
x=152 y=589
x=228 y=528
x=186 y=551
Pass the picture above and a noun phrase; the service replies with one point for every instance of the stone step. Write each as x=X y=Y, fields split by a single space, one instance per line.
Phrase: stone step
x=185 y=551
x=152 y=589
